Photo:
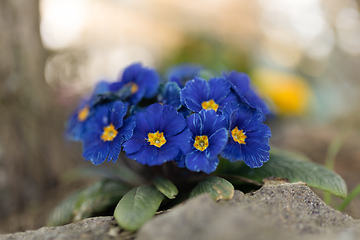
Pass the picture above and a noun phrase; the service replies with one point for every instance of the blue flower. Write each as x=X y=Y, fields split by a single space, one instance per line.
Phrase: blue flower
x=199 y=94
x=76 y=125
x=183 y=73
x=102 y=93
x=209 y=138
x=240 y=83
x=160 y=135
x=136 y=83
x=171 y=95
x=249 y=136
x=106 y=131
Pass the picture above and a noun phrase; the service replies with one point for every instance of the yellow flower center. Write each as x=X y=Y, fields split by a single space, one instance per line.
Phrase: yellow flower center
x=133 y=87
x=109 y=133
x=157 y=139
x=238 y=135
x=201 y=142
x=83 y=113
x=209 y=105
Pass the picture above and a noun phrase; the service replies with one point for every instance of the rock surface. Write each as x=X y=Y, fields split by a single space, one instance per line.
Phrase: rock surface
x=278 y=210
x=90 y=229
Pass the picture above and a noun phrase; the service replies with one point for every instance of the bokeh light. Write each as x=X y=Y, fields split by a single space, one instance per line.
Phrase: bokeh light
x=93 y=40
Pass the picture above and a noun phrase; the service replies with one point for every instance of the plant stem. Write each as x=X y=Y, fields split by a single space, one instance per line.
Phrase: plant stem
x=332 y=151
x=350 y=197
x=247 y=180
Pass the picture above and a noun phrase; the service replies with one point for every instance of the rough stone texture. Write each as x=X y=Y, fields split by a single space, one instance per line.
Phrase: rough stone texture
x=90 y=229
x=294 y=207
x=279 y=210
x=276 y=211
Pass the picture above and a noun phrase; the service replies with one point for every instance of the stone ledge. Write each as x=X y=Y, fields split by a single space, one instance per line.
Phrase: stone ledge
x=277 y=210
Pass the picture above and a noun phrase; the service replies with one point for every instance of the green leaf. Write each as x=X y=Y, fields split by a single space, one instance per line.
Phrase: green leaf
x=166 y=187
x=294 y=167
x=137 y=207
x=217 y=187
x=87 y=202
x=63 y=213
x=99 y=197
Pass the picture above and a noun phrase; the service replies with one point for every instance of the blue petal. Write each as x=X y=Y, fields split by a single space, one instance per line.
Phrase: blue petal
x=255 y=101
x=75 y=129
x=136 y=97
x=232 y=151
x=231 y=97
x=96 y=153
x=244 y=116
x=114 y=149
x=240 y=119
x=172 y=95
x=154 y=117
x=174 y=122
x=255 y=153
x=149 y=80
x=142 y=126
x=127 y=130
x=183 y=73
x=229 y=108
x=167 y=152
x=93 y=134
x=212 y=121
x=197 y=90
x=131 y=73
x=116 y=86
x=258 y=131
x=184 y=111
x=197 y=161
x=181 y=140
x=239 y=81
x=117 y=113
x=146 y=79
x=102 y=87
x=180 y=160
x=133 y=145
x=102 y=93
x=102 y=114
x=217 y=142
x=258 y=115
x=145 y=155
x=192 y=105
x=141 y=151
x=219 y=89
x=194 y=122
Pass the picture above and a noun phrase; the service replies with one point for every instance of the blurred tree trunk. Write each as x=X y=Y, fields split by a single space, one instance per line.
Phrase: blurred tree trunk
x=30 y=120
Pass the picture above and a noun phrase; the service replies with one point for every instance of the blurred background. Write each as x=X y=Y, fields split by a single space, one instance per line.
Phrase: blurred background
x=303 y=57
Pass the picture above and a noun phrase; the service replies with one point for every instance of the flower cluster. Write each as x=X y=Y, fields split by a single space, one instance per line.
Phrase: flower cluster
x=181 y=118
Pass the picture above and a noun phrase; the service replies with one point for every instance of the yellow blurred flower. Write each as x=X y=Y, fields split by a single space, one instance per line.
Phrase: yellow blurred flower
x=290 y=94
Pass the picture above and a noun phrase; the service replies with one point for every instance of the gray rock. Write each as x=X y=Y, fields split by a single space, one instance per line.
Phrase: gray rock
x=89 y=229
x=278 y=210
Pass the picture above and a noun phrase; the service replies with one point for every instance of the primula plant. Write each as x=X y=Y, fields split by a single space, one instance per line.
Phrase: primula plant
x=175 y=137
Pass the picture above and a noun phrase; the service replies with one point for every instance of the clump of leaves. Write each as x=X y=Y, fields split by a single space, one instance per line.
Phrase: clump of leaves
x=134 y=206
